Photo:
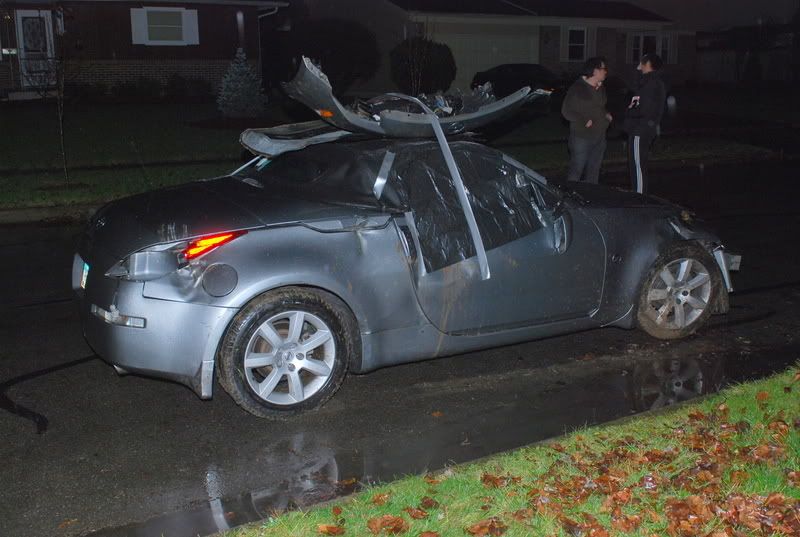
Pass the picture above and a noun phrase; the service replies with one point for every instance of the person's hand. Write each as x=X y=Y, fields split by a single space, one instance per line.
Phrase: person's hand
x=609 y=117
x=589 y=124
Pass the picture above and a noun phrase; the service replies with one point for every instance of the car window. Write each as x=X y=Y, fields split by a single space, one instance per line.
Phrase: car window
x=502 y=197
x=441 y=225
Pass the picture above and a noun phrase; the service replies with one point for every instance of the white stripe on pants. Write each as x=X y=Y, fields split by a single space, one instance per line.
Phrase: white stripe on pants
x=637 y=159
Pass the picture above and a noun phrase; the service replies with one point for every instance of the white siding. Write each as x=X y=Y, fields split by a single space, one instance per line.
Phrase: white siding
x=478 y=52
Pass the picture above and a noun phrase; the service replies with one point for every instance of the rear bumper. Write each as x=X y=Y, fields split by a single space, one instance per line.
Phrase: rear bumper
x=168 y=339
x=727 y=263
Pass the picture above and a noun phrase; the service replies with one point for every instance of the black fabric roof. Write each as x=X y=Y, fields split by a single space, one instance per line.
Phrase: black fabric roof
x=541 y=8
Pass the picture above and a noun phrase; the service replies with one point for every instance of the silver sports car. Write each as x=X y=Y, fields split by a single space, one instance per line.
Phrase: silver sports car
x=346 y=252
x=289 y=274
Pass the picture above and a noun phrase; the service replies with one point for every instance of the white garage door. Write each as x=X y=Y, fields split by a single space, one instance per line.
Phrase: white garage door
x=475 y=53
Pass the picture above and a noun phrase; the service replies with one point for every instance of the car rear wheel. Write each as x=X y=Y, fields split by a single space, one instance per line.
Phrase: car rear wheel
x=678 y=294
x=287 y=351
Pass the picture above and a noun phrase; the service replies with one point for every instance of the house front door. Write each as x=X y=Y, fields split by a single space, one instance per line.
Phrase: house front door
x=35 y=47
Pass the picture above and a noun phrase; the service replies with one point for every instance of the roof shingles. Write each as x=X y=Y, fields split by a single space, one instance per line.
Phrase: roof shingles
x=543 y=8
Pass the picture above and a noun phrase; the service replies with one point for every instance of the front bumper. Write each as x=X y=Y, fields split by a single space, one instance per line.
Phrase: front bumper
x=173 y=340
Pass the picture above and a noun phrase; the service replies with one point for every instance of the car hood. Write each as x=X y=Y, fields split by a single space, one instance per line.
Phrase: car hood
x=194 y=209
x=605 y=197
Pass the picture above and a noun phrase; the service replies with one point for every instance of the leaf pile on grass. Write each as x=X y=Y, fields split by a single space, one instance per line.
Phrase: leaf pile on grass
x=727 y=467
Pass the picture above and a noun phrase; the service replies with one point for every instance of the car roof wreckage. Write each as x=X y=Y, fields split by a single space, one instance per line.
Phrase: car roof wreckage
x=392 y=115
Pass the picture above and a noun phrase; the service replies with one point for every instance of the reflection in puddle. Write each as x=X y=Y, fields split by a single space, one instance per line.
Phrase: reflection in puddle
x=316 y=467
x=662 y=382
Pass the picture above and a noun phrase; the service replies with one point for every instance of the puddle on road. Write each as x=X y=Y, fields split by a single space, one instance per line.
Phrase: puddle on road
x=321 y=467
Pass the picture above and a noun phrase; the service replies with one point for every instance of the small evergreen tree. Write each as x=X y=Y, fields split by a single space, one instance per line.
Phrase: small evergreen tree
x=240 y=94
x=420 y=65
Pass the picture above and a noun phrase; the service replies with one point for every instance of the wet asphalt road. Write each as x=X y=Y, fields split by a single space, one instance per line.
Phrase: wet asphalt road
x=85 y=450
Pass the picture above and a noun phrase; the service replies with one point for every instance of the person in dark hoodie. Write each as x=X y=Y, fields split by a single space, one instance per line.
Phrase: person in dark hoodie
x=585 y=108
x=643 y=118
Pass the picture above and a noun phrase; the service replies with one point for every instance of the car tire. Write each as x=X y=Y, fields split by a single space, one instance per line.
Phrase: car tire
x=287 y=351
x=679 y=293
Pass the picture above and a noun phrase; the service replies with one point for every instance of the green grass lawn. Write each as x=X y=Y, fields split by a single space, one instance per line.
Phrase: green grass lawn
x=112 y=134
x=554 y=158
x=134 y=141
x=94 y=187
x=766 y=103
x=726 y=466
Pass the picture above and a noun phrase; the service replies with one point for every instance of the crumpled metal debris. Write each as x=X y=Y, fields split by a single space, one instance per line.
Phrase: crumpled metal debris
x=442 y=104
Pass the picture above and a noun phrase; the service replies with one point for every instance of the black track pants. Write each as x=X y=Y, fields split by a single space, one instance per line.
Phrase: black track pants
x=638 y=152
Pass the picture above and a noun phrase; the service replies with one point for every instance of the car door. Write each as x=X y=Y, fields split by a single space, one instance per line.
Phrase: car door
x=547 y=260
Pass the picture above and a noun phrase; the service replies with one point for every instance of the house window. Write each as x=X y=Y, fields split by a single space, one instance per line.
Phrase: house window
x=641 y=44
x=666 y=42
x=165 y=26
x=576 y=44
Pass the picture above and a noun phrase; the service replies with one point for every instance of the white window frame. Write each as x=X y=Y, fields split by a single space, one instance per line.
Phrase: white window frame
x=665 y=48
x=140 y=30
x=662 y=39
x=585 y=31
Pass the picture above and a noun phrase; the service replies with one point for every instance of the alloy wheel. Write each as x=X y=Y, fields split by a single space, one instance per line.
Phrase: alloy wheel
x=289 y=357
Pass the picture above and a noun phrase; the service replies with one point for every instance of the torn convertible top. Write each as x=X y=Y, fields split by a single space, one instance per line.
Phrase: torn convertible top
x=416 y=179
x=390 y=115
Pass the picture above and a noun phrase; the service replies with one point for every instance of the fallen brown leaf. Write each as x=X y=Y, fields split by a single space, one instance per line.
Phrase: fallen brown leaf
x=522 y=515
x=437 y=413
x=415 y=513
x=697 y=416
x=762 y=396
x=387 y=524
x=779 y=427
x=330 y=529
x=491 y=526
x=768 y=453
x=496 y=481
x=381 y=499
x=794 y=477
x=429 y=534
x=431 y=480
x=739 y=476
x=626 y=523
x=67 y=523
x=428 y=503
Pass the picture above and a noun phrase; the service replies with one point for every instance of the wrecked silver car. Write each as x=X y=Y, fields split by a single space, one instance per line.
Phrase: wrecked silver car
x=341 y=250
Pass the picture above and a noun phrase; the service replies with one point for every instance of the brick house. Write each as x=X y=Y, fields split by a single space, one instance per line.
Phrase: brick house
x=109 y=41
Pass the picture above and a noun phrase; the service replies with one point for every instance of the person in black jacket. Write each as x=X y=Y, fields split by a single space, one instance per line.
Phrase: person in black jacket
x=585 y=108
x=643 y=118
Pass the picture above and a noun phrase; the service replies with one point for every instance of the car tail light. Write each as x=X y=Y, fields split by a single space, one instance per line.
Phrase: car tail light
x=203 y=245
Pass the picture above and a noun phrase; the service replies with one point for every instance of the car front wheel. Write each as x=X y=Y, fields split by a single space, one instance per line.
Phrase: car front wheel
x=678 y=294
x=287 y=351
